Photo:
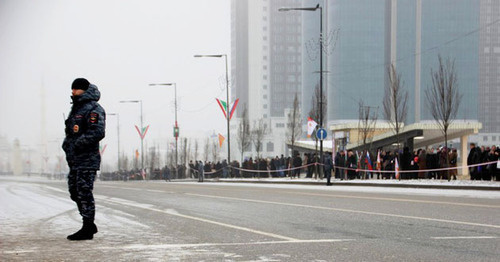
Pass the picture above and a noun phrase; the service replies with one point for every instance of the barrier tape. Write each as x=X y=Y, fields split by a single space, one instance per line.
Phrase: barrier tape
x=347 y=168
x=257 y=171
x=416 y=170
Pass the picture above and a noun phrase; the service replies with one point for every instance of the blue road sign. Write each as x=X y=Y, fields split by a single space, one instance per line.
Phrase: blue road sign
x=321 y=134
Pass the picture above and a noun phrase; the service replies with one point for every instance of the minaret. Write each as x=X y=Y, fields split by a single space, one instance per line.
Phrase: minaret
x=43 y=130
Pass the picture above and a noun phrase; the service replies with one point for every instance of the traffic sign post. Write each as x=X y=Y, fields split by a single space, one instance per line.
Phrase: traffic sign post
x=321 y=134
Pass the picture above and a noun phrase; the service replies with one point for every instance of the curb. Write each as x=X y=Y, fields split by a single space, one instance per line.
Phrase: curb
x=334 y=183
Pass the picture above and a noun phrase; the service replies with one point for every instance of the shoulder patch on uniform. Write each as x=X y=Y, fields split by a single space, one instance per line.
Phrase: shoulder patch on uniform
x=94 y=117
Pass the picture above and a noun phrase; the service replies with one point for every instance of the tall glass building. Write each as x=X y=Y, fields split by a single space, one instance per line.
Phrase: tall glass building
x=489 y=64
x=408 y=33
x=266 y=67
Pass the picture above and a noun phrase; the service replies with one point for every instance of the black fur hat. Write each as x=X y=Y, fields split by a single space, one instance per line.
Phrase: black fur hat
x=80 y=83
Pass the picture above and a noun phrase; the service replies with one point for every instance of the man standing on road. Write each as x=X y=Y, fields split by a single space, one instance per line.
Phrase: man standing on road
x=327 y=167
x=201 y=171
x=85 y=127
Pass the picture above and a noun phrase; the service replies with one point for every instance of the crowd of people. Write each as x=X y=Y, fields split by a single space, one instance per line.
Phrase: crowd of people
x=433 y=163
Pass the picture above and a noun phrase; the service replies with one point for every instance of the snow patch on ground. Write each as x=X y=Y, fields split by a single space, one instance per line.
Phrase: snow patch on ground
x=491 y=194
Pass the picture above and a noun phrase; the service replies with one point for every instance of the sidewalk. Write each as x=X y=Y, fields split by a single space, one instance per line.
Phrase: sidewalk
x=420 y=183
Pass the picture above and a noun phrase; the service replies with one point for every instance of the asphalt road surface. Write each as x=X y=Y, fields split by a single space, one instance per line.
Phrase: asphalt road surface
x=177 y=221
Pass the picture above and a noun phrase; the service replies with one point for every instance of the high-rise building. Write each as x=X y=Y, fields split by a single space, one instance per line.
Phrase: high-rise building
x=266 y=63
x=276 y=54
x=489 y=67
x=410 y=34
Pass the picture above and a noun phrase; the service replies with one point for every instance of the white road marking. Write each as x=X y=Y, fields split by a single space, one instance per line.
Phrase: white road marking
x=395 y=199
x=163 y=246
x=155 y=191
x=465 y=237
x=187 y=245
x=174 y=213
x=350 y=211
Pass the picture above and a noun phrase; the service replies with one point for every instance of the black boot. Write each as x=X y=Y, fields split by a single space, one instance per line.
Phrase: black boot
x=85 y=233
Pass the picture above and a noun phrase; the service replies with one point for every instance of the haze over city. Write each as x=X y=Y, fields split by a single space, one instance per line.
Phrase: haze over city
x=122 y=47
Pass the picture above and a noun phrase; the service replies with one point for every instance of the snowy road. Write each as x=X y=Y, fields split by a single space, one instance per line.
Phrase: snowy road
x=246 y=222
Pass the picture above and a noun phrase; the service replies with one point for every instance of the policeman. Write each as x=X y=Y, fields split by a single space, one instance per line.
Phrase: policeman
x=85 y=127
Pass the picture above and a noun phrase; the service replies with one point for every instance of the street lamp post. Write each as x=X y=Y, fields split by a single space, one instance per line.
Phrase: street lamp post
x=176 y=127
x=227 y=107
x=118 y=134
x=285 y=9
x=142 y=142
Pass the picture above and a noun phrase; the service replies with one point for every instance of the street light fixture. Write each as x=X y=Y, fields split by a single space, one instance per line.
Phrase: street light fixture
x=228 y=105
x=176 y=127
x=118 y=134
x=142 y=142
x=285 y=9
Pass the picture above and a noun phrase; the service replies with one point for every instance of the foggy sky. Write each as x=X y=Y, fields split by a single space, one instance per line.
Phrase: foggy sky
x=121 y=46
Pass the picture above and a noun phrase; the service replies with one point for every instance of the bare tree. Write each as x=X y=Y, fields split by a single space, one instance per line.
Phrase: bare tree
x=366 y=124
x=366 y=128
x=317 y=115
x=184 y=152
x=196 y=147
x=170 y=156
x=207 y=149
x=153 y=158
x=244 y=136
x=188 y=150
x=124 y=162
x=395 y=102
x=316 y=105
x=215 y=151
x=294 y=124
x=258 y=133
x=443 y=97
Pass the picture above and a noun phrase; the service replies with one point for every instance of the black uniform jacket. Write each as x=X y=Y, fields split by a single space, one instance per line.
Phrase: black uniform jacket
x=85 y=127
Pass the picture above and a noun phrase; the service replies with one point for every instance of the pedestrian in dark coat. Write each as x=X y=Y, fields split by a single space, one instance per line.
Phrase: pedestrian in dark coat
x=453 y=163
x=406 y=159
x=492 y=168
x=85 y=127
x=297 y=163
x=474 y=158
x=422 y=164
x=352 y=164
x=327 y=168
x=432 y=163
x=443 y=163
x=201 y=171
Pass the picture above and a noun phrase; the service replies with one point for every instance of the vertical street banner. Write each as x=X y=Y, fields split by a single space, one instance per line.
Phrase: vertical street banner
x=334 y=149
x=379 y=162
x=311 y=125
x=142 y=133
x=102 y=149
x=221 y=140
x=224 y=107
x=396 y=167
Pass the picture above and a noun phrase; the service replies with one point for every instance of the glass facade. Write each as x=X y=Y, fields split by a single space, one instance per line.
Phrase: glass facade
x=489 y=67
x=446 y=31
x=310 y=54
x=356 y=68
x=285 y=55
x=358 y=65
